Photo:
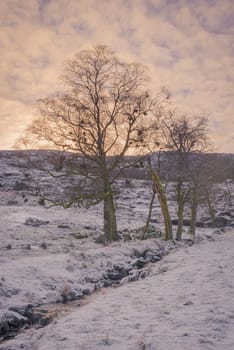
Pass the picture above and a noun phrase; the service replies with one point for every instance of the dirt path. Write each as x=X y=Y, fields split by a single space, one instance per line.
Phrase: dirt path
x=186 y=303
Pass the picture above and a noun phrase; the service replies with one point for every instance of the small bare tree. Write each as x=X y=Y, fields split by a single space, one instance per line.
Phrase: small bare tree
x=158 y=189
x=187 y=137
x=104 y=111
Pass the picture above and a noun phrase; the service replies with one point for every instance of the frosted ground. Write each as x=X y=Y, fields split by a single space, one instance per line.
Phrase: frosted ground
x=182 y=301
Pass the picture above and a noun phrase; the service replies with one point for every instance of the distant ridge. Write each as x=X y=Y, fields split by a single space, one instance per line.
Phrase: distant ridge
x=223 y=163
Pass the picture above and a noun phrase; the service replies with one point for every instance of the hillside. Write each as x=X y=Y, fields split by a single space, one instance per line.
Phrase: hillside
x=61 y=289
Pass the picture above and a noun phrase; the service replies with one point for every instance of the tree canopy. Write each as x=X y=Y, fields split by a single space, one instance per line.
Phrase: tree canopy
x=104 y=111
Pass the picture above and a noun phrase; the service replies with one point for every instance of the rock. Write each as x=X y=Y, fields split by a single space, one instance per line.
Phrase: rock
x=35 y=222
x=153 y=232
x=190 y=242
x=102 y=284
x=127 y=237
x=70 y=268
x=186 y=222
x=140 y=263
x=144 y=273
x=205 y=219
x=210 y=238
x=63 y=226
x=11 y=321
x=86 y=291
x=152 y=257
x=133 y=276
x=217 y=231
x=20 y=315
x=71 y=294
x=117 y=273
x=88 y=227
x=203 y=224
x=100 y=240
x=222 y=221
x=79 y=235
x=20 y=186
x=225 y=213
x=41 y=201
x=43 y=245
x=154 y=221
x=139 y=253
x=23 y=310
x=6 y=292
x=174 y=221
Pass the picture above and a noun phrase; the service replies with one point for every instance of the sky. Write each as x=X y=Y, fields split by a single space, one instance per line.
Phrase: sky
x=188 y=46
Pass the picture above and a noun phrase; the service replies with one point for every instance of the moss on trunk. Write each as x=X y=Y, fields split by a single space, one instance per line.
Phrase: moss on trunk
x=180 y=214
x=163 y=203
x=146 y=228
x=110 y=224
x=194 y=206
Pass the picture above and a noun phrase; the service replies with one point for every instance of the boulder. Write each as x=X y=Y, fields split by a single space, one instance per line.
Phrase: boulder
x=35 y=222
x=11 y=321
x=222 y=221
x=186 y=222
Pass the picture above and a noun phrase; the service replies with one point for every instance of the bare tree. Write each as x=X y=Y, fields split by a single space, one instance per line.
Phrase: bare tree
x=187 y=137
x=104 y=111
x=158 y=189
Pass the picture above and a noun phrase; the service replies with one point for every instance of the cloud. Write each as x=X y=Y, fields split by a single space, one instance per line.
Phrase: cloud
x=188 y=46
x=13 y=124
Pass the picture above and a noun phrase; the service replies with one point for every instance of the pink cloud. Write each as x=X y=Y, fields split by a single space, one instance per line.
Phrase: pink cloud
x=188 y=46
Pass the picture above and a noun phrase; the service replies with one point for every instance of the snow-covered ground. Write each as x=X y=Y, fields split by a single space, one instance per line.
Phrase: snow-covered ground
x=161 y=296
x=186 y=302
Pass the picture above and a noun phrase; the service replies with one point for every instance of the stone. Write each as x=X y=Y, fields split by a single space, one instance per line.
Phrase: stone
x=103 y=284
x=154 y=220
x=6 y=292
x=222 y=221
x=23 y=310
x=43 y=245
x=11 y=321
x=63 y=226
x=79 y=235
x=71 y=294
x=140 y=263
x=117 y=273
x=186 y=222
x=35 y=222
x=225 y=213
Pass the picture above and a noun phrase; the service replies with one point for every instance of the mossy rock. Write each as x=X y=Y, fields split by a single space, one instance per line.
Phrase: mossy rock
x=79 y=235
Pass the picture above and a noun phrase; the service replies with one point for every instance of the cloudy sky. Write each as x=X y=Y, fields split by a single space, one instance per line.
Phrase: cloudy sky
x=188 y=46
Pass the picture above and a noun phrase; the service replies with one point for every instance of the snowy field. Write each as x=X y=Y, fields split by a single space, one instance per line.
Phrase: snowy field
x=160 y=295
x=186 y=303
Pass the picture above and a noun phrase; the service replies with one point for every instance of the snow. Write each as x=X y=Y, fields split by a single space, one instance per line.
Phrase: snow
x=184 y=301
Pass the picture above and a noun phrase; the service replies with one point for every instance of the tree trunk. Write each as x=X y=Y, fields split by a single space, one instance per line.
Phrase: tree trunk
x=110 y=224
x=180 y=214
x=146 y=228
x=163 y=203
x=193 y=219
x=211 y=210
